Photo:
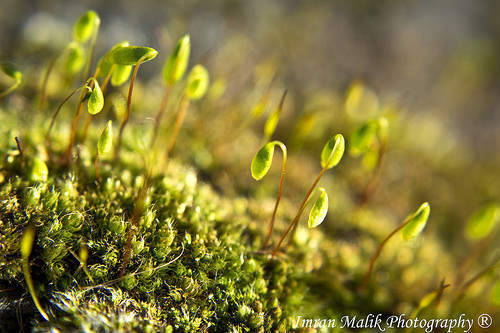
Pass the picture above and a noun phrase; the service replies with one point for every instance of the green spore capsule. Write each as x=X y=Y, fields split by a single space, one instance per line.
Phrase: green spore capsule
x=416 y=222
x=319 y=210
x=86 y=26
x=333 y=151
x=198 y=81
x=176 y=65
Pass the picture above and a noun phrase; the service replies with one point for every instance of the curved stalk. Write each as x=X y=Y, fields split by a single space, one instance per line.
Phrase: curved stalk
x=91 y=53
x=10 y=89
x=54 y=116
x=127 y=115
x=278 y=198
x=379 y=249
x=300 y=211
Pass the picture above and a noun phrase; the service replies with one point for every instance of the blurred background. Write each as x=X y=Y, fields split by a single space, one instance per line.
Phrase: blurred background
x=431 y=68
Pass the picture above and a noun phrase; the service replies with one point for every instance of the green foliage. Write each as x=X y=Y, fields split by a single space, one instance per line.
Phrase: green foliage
x=106 y=139
x=120 y=74
x=495 y=294
x=197 y=82
x=132 y=55
x=75 y=59
x=481 y=223
x=176 y=65
x=319 y=210
x=39 y=171
x=332 y=151
x=86 y=26
x=96 y=99
x=416 y=222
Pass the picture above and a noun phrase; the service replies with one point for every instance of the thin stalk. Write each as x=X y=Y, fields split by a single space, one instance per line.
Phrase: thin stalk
x=31 y=289
x=181 y=114
x=10 y=89
x=96 y=165
x=278 y=198
x=27 y=241
x=106 y=79
x=475 y=278
x=136 y=215
x=19 y=147
x=74 y=127
x=159 y=114
x=45 y=80
x=54 y=116
x=83 y=265
x=301 y=209
x=127 y=115
x=91 y=53
x=377 y=253
x=374 y=181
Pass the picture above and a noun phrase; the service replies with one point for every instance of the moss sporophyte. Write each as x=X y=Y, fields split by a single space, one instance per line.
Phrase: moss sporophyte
x=103 y=230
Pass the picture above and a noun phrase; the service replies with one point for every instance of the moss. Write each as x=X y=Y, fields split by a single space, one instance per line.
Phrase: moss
x=194 y=265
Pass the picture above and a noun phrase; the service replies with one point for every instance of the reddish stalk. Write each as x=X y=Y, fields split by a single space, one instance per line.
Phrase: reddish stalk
x=127 y=115
x=159 y=114
x=181 y=114
x=278 y=198
x=377 y=253
x=301 y=209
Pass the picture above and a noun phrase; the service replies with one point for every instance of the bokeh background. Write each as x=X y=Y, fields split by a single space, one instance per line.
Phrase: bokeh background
x=432 y=68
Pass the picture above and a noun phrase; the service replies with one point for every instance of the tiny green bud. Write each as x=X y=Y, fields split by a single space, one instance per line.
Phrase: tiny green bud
x=262 y=161
x=332 y=151
x=198 y=80
x=12 y=72
x=362 y=138
x=120 y=74
x=39 y=171
x=495 y=294
x=27 y=240
x=106 y=139
x=86 y=26
x=96 y=99
x=416 y=222
x=482 y=221
x=319 y=210
x=176 y=65
x=75 y=59
x=132 y=55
